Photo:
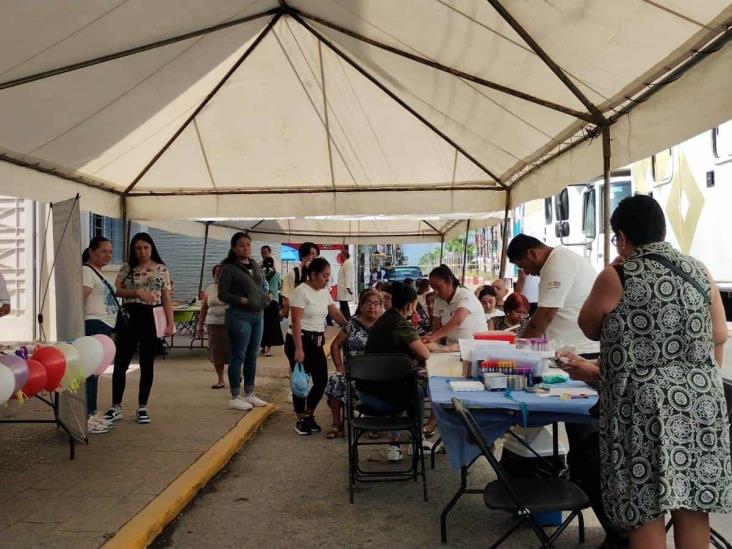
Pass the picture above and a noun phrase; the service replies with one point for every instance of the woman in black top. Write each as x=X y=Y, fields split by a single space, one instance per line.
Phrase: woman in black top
x=243 y=287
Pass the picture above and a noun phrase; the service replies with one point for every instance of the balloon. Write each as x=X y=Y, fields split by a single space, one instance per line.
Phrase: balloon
x=54 y=362
x=37 y=378
x=109 y=351
x=19 y=368
x=7 y=384
x=91 y=353
x=73 y=376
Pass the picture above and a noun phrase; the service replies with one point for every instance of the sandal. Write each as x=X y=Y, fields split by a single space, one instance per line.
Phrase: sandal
x=218 y=386
x=428 y=430
x=336 y=431
x=373 y=435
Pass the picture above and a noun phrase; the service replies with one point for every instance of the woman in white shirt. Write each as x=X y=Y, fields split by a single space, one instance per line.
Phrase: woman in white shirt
x=310 y=304
x=457 y=314
x=213 y=316
x=100 y=316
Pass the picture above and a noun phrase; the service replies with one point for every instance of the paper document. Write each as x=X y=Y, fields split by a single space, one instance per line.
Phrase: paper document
x=571 y=391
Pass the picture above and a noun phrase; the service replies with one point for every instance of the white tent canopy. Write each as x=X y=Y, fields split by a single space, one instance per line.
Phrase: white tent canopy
x=258 y=109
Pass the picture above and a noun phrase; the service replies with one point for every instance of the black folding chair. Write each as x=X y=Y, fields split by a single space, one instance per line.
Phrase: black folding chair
x=386 y=369
x=715 y=538
x=525 y=497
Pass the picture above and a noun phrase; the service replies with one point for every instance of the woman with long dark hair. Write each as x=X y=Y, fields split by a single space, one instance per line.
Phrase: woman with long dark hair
x=243 y=287
x=272 y=335
x=143 y=283
x=100 y=316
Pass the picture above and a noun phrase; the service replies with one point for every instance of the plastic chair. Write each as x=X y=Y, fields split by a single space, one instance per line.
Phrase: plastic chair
x=184 y=322
x=387 y=369
x=525 y=497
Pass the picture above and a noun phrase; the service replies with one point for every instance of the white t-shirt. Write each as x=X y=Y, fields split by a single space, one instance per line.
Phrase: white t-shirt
x=314 y=304
x=288 y=282
x=531 y=288
x=100 y=304
x=566 y=281
x=474 y=322
x=216 y=313
x=345 y=281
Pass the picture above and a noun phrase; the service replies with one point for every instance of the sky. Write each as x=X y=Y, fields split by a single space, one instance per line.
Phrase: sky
x=415 y=251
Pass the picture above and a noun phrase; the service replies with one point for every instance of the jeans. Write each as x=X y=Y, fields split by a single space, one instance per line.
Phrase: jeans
x=94 y=327
x=316 y=365
x=140 y=331
x=244 y=329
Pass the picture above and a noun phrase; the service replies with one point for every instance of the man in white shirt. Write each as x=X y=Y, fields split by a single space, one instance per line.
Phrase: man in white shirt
x=565 y=281
x=4 y=297
x=306 y=252
x=345 y=285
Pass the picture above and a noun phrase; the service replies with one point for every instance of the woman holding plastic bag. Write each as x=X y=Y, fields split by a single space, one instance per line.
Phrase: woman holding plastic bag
x=143 y=284
x=310 y=305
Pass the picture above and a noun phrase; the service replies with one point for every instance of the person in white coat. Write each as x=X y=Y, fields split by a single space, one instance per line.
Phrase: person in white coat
x=345 y=291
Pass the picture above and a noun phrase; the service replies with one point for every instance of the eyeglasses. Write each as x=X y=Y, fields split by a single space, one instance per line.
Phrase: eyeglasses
x=373 y=303
x=614 y=239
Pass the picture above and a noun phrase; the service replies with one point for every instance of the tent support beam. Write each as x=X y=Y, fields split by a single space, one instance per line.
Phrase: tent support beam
x=316 y=190
x=446 y=69
x=125 y=227
x=203 y=258
x=133 y=51
x=597 y=116
x=431 y=226
x=391 y=94
x=203 y=103
x=442 y=247
x=606 y=154
x=465 y=252
x=504 y=240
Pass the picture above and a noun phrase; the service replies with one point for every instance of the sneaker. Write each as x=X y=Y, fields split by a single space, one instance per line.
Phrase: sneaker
x=254 y=400
x=238 y=403
x=94 y=427
x=394 y=453
x=100 y=419
x=114 y=413
x=142 y=415
x=314 y=427
x=302 y=427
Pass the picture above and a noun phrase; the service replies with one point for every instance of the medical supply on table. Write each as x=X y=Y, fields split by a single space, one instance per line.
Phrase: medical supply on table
x=465 y=385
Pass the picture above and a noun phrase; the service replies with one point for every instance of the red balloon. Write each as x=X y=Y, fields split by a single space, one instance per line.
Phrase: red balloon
x=55 y=364
x=37 y=378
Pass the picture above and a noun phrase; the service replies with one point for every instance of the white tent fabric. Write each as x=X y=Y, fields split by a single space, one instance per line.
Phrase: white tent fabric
x=314 y=108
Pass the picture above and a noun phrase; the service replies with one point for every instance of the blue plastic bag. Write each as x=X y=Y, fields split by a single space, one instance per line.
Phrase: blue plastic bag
x=300 y=381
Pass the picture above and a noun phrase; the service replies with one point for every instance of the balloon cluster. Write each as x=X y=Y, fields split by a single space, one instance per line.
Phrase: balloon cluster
x=56 y=367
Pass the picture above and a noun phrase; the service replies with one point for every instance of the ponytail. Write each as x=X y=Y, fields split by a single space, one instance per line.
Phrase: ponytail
x=94 y=243
x=444 y=273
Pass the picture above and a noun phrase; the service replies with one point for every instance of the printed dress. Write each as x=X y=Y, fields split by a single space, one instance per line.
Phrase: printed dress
x=664 y=434
x=356 y=336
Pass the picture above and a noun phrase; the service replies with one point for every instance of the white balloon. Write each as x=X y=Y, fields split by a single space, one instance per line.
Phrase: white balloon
x=91 y=353
x=7 y=384
x=73 y=365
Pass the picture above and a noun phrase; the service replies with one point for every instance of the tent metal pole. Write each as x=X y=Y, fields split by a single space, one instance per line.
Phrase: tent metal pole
x=504 y=239
x=208 y=98
x=203 y=258
x=133 y=51
x=387 y=91
x=442 y=247
x=597 y=116
x=315 y=190
x=444 y=68
x=465 y=252
x=125 y=227
x=606 y=154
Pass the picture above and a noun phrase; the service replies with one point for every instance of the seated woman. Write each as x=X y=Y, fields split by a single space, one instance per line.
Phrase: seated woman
x=393 y=333
x=349 y=342
x=516 y=308
x=487 y=298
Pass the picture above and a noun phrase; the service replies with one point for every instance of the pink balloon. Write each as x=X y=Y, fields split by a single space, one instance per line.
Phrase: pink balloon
x=19 y=369
x=109 y=351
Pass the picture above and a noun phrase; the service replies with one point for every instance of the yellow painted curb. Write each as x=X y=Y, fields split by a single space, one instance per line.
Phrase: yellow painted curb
x=145 y=526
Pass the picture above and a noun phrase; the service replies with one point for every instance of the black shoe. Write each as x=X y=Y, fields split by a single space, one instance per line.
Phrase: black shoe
x=302 y=427
x=314 y=427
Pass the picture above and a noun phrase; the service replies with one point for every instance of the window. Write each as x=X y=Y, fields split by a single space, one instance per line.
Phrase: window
x=561 y=205
x=722 y=140
x=618 y=191
x=112 y=229
x=589 y=210
x=548 y=217
x=662 y=166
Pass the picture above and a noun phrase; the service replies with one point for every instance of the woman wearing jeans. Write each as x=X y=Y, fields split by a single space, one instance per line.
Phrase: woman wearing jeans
x=143 y=284
x=310 y=305
x=100 y=316
x=242 y=286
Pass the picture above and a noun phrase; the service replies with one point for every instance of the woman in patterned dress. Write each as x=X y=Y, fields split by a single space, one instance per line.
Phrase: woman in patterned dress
x=349 y=342
x=664 y=433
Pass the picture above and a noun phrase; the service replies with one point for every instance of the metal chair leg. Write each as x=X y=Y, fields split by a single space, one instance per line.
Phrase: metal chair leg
x=581 y=523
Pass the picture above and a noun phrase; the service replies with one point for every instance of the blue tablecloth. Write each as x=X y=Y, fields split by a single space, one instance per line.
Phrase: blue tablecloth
x=495 y=414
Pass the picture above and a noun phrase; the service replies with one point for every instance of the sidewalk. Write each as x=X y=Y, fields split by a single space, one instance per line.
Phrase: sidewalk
x=47 y=500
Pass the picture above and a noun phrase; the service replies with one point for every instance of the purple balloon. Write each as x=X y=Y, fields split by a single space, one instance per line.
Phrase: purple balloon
x=22 y=352
x=19 y=369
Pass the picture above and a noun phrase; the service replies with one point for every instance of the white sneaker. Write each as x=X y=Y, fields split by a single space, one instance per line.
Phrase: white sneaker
x=394 y=453
x=238 y=403
x=254 y=400
x=101 y=420
x=94 y=427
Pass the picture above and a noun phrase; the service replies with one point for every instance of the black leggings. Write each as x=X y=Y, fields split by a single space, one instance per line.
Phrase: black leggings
x=139 y=331
x=316 y=365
